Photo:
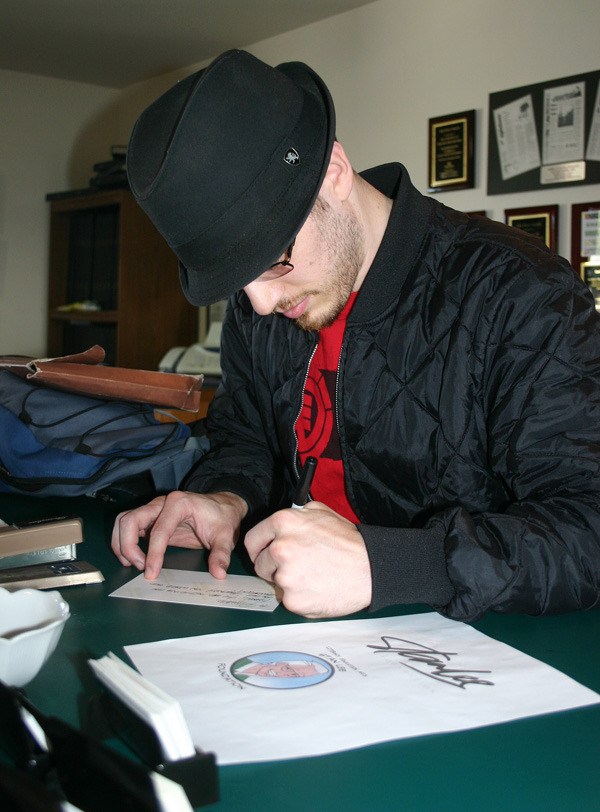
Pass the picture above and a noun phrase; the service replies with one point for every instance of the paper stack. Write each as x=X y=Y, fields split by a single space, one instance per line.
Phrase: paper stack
x=150 y=703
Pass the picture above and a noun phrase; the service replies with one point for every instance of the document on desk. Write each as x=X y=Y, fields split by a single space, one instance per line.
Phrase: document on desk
x=308 y=689
x=201 y=589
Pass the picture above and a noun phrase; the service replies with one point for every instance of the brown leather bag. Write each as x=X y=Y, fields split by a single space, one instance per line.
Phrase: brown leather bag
x=85 y=373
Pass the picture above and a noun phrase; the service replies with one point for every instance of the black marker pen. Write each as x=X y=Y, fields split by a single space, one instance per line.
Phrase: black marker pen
x=303 y=486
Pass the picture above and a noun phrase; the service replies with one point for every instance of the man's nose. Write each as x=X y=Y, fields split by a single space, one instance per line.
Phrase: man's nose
x=263 y=296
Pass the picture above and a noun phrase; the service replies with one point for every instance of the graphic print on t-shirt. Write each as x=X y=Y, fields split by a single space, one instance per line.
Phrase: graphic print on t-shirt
x=315 y=427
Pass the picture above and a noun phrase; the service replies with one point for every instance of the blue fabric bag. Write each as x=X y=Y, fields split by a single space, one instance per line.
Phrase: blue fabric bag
x=55 y=443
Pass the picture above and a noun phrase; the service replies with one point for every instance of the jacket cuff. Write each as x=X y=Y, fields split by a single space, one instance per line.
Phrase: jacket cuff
x=407 y=566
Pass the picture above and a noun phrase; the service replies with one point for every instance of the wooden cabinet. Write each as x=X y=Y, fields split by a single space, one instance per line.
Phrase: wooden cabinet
x=103 y=248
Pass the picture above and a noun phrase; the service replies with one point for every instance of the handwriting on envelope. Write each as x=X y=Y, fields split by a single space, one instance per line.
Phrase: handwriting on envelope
x=201 y=589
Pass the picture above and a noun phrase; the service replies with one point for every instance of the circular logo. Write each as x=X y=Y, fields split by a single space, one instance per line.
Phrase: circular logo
x=281 y=669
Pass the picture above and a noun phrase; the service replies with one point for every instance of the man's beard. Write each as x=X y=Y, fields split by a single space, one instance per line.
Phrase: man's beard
x=342 y=238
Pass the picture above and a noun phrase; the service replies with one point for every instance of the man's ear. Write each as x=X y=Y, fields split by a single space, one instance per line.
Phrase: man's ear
x=339 y=178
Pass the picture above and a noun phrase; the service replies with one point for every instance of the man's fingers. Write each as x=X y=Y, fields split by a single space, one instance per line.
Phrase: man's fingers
x=262 y=534
x=264 y=565
x=175 y=510
x=317 y=558
x=156 y=521
x=127 y=530
x=180 y=519
x=219 y=558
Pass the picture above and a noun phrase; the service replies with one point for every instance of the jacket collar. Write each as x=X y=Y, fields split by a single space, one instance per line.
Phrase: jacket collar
x=400 y=247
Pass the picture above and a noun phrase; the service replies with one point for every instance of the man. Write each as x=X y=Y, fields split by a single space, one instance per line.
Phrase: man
x=444 y=370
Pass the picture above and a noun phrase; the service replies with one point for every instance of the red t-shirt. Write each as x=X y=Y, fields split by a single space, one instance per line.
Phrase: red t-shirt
x=316 y=427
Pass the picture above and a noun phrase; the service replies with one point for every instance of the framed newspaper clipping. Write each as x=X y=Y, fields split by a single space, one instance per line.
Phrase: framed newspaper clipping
x=545 y=135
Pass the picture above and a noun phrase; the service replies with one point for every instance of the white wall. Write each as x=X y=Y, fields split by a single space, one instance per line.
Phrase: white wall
x=394 y=64
x=51 y=133
x=390 y=66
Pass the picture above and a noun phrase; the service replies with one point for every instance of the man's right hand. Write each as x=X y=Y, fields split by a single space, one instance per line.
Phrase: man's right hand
x=181 y=519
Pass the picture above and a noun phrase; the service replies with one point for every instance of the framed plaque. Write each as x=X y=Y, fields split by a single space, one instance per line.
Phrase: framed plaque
x=540 y=221
x=585 y=233
x=585 y=245
x=590 y=273
x=451 y=152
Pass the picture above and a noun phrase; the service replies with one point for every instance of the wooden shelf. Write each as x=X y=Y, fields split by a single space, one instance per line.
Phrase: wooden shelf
x=106 y=316
x=104 y=248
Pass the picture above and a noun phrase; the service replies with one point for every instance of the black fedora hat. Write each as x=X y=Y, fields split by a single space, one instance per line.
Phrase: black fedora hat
x=228 y=163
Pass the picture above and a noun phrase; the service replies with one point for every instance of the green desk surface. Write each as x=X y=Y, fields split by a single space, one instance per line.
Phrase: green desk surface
x=544 y=763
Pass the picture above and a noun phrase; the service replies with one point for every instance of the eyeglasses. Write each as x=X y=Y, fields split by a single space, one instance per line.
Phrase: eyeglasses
x=282 y=267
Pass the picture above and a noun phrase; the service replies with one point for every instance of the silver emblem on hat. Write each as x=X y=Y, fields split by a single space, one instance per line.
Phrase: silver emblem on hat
x=291 y=157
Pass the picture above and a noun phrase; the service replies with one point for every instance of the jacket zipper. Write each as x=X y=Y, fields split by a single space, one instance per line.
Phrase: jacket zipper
x=304 y=382
x=337 y=392
x=337 y=411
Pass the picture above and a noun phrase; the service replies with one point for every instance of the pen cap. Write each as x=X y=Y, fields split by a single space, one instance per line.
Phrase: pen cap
x=305 y=482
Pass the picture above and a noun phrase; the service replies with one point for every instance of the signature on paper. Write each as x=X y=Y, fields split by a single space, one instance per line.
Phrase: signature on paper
x=429 y=661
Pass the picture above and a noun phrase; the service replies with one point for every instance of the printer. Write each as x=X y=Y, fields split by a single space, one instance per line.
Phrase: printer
x=202 y=358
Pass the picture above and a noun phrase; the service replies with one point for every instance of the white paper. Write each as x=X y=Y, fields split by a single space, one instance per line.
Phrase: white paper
x=312 y=688
x=201 y=589
x=563 y=123
x=518 y=148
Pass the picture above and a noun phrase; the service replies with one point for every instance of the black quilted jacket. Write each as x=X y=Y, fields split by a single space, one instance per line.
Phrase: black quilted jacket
x=468 y=409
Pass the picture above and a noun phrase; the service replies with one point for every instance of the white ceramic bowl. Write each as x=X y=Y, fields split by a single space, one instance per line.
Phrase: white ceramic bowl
x=31 y=622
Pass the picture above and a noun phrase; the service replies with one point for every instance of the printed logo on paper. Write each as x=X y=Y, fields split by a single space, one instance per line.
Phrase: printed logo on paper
x=281 y=669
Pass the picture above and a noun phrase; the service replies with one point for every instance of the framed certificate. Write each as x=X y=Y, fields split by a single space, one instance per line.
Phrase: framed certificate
x=540 y=221
x=585 y=245
x=585 y=233
x=451 y=152
x=590 y=273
